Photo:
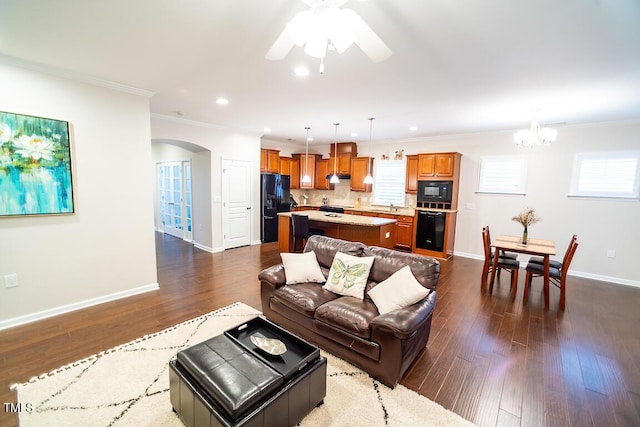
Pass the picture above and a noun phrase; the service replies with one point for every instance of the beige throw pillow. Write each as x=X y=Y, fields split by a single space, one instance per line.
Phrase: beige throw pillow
x=348 y=275
x=399 y=290
x=302 y=268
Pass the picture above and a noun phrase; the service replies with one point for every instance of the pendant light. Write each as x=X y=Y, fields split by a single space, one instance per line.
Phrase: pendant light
x=334 y=179
x=369 y=179
x=306 y=179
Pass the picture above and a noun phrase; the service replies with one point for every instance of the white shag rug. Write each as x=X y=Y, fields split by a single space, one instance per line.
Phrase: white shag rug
x=129 y=386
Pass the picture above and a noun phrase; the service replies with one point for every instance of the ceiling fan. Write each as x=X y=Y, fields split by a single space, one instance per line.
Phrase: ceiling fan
x=328 y=27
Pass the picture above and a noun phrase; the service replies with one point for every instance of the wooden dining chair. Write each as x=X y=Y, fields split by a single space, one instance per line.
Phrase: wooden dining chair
x=503 y=264
x=301 y=230
x=503 y=254
x=557 y=272
x=552 y=262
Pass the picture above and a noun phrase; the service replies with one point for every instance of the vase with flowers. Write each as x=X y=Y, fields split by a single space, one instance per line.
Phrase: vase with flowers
x=526 y=218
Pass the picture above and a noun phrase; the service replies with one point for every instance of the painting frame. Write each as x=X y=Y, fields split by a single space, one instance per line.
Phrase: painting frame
x=35 y=166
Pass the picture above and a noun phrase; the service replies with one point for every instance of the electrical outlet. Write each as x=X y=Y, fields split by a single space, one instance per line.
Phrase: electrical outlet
x=386 y=236
x=611 y=253
x=10 y=280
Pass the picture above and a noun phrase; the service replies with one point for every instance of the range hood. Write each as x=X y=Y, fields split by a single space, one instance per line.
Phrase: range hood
x=340 y=175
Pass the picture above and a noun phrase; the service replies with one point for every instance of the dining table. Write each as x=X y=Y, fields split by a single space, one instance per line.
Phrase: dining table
x=539 y=247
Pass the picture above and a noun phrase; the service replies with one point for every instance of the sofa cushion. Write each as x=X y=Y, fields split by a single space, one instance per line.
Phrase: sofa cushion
x=302 y=268
x=348 y=275
x=348 y=314
x=426 y=270
x=326 y=248
x=304 y=298
x=400 y=290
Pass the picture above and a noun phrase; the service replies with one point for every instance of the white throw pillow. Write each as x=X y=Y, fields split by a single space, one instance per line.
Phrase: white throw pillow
x=348 y=275
x=399 y=290
x=302 y=268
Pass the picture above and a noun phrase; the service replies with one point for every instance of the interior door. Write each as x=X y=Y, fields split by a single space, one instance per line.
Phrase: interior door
x=174 y=188
x=236 y=203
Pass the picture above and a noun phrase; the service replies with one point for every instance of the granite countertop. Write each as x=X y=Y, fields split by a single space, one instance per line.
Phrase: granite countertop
x=367 y=221
x=373 y=209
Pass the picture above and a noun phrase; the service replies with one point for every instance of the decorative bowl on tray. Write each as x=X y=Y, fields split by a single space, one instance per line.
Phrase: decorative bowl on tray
x=270 y=346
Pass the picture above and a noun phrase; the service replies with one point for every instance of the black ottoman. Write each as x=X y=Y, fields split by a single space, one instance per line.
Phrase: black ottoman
x=226 y=381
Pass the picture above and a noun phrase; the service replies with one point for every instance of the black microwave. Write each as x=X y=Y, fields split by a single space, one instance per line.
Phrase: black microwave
x=435 y=191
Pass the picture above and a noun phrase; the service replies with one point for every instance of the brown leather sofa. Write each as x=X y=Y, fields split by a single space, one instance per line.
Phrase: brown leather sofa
x=350 y=328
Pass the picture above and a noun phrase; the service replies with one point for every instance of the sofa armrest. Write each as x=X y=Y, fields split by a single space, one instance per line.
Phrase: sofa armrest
x=404 y=322
x=273 y=275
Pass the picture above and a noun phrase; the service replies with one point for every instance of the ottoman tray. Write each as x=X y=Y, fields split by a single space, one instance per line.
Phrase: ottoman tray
x=228 y=381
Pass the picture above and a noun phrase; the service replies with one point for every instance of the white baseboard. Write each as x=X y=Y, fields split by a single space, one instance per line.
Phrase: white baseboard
x=602 y=278
x=202 y=247
x=28 y=318
x=256 y=242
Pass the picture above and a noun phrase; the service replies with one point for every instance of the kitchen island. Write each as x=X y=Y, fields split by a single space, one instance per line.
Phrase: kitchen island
x=371 y=231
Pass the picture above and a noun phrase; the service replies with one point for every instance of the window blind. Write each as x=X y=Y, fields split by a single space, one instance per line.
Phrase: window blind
x=389 y=182
x=606 y=174
x=502 y=174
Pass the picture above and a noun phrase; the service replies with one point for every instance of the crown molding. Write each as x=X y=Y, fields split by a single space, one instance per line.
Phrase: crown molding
x=190 y=122
x=71 y=75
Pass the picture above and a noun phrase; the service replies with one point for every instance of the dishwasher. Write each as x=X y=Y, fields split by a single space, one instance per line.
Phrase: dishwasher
x=430 y=231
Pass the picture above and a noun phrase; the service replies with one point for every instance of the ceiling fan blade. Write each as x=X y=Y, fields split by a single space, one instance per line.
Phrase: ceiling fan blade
x=367 y=39
x=281 y=47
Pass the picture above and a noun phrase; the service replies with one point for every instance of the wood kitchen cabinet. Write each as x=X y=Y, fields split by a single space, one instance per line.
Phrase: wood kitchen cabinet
x=295 y=173
x=322 y=169
x=269 y=160
x=342 y=160
x=439 y=165
x=404 y=233
x=307 y=164
x=285 y=166
x=411 y=183
x=359 y=167
x=404 y=236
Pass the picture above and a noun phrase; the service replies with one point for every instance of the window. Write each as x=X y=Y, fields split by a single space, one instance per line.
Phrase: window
x=606 y=174
x=502 y=174
x=389 y=182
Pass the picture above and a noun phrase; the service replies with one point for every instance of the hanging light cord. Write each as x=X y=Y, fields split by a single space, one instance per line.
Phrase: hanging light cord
x=371 y=119
x=335 y=154
x=306 y=152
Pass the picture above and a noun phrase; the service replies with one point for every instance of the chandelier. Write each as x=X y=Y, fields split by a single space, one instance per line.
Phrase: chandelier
x=535 y=135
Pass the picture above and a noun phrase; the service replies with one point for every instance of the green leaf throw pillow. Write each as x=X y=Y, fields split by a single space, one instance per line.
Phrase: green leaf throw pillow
x=348 y=275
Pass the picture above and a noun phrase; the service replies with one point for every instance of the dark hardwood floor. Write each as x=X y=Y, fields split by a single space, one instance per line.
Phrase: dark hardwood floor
x=490 y=358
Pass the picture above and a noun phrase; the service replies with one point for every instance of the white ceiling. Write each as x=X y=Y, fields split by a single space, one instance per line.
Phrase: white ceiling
x=458 y=66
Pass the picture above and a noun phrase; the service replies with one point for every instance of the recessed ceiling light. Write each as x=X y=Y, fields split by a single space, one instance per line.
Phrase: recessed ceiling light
x=222 y=101
x=354 y=134
x=413 y=128
x=301 y=71
x=266 y=130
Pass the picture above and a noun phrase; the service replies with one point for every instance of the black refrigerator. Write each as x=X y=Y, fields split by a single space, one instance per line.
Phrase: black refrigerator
x=274 y=198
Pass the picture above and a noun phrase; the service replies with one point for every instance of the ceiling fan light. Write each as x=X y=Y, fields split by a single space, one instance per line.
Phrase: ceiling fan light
x=316 y=47
x=298 y=27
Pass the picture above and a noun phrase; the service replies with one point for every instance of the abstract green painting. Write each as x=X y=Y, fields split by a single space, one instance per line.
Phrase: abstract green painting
x=35 y=166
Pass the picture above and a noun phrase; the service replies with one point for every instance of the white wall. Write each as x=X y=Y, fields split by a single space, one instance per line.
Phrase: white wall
x=106 y=249
x=200 y=159
x=222 y=144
